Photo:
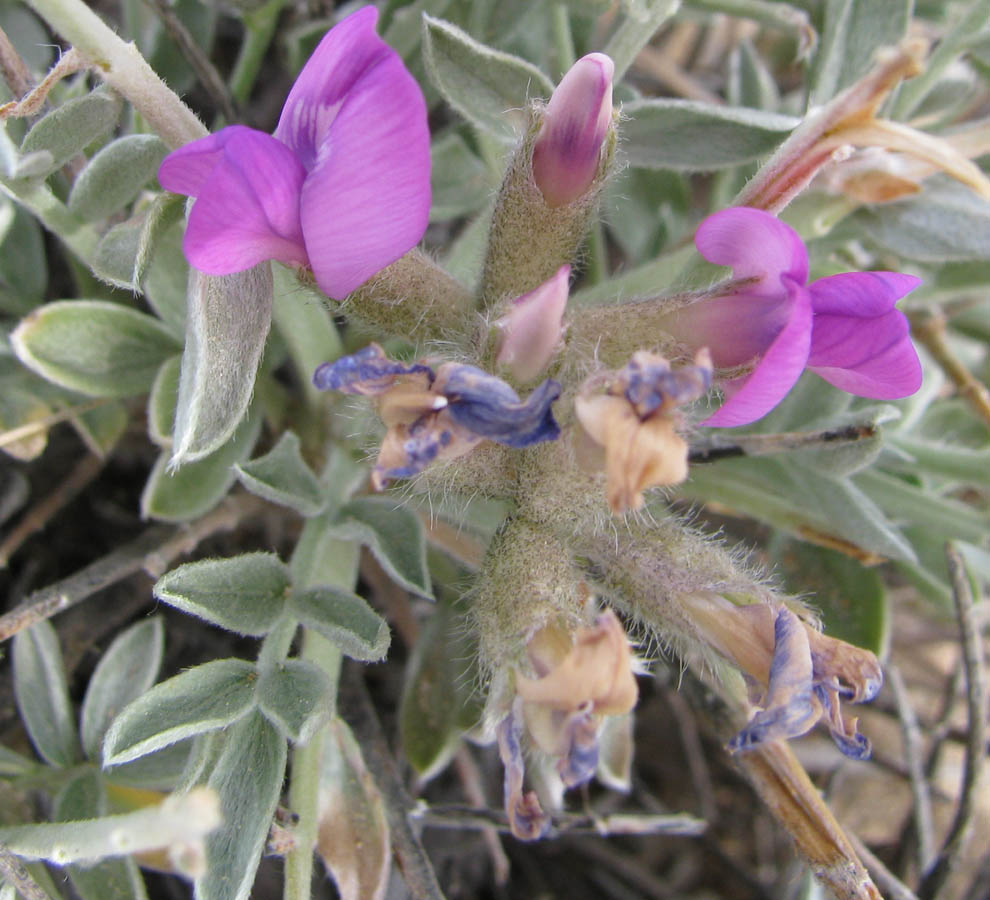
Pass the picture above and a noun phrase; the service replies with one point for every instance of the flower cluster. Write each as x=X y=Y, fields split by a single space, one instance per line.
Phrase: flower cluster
x=772 y=325
x=343 y=187
x=434 y=414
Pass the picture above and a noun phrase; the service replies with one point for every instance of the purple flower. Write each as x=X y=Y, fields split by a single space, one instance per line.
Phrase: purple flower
x=342 y=187
x=843 y=327
x=568 y=150
x=443 y=413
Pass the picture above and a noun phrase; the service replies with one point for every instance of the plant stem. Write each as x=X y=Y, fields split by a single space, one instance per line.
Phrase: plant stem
x=635 y=33
x=259 y=30
x=123 y=68
x=563 y=40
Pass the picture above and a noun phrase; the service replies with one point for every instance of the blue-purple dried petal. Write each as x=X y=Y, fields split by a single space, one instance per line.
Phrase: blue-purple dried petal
x=652 y=386
x=369 y=371
x=490 y=408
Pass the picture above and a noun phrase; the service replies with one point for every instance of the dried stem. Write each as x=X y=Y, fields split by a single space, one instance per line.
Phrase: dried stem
x=15 y=873
x=454 y=816
x=913 y=755
x=976 y=708
x=152 y=552
x=930 y=330
x=39 y=515
x=198 y=61
x=359 y=712
x=14 y=69
x=892 y=885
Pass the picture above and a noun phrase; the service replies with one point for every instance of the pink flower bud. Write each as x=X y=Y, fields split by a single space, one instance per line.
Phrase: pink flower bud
x=532 y=328
x=567 y=151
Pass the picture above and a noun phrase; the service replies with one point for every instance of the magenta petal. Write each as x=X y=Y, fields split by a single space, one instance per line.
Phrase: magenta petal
x=776 y=373
x=347 y=54
x=869 y=357
x=367 y=201
x=185 y=171
x=756 y=245
x=248 y=208
x=860 y=293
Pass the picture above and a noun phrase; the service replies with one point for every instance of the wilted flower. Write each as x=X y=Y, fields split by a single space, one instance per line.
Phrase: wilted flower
x=799 y=674
x=634 y=425
x=433 y=414
x=842 y=327
x=343 y=186
x=531 y=331
x=581 y=677
x=567 y=152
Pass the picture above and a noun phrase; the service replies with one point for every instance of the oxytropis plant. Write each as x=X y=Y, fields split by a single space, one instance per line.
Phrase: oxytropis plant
x=515 y=400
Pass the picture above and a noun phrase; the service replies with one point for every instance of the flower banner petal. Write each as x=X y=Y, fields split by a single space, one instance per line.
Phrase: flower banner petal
x=367 y=202
x=347 y=53
x=756 y=245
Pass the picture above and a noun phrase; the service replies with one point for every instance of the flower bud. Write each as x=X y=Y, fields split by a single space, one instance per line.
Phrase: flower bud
x=532 y=328
x=567 y=151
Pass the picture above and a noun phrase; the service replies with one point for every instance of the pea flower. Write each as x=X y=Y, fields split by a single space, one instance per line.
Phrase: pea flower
x=342 y=187
x=442 y=413
x=581 y=678
x=567 y=151
x=799 y=676
x=631 y=429
x=530 y=332
x=772 y=325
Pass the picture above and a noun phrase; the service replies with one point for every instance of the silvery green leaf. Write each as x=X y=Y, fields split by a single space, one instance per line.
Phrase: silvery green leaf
x=115 y=258
x=245 y=593
x=158 y=771
x=97 y=348
x=201 y=699
x=643 y=18
x=101 y=428
x=115 y=176
x=161 y=402
x=177 y=495
x=28 y=35
x=42 y=695
x=697 y=137
x=127 y=669
x=283 y=477
x=645 y=208
x=945 y=458
x=343 y=618
x=84 y=797
x=489 y=88
x=112 y=879
x=946 y=222
x=461 y=182
x=71 y=127
x=353 y=840
x=166 y=280
x=13 y=764
x=395 y=537
x=853 y=32
x=296 y=697
x=437 y=693
x=248 y=778
x=226 y=327
x=23 y=266
x=466 y=253
x=904 y=501
x=177 y=821
x=751 y=84
x=852 y=598
x=20 y=405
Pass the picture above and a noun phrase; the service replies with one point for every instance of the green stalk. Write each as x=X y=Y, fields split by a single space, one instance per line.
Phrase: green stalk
x=259 y=29
x=123 y=67
x=635 y=33
x=563 y=40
